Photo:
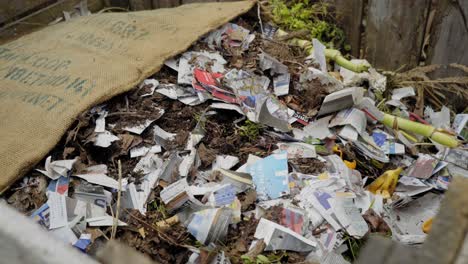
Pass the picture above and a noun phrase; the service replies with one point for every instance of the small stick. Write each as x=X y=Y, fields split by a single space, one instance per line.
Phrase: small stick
x=119 y=194
x=260 y=19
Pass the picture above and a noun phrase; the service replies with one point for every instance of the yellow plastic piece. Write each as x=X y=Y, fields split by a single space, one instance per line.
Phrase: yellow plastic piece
x=427 y=225
x=349 y=164
x=386 y=183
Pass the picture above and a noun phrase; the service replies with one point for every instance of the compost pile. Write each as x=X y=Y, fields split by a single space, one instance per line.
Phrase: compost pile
x=251 y=147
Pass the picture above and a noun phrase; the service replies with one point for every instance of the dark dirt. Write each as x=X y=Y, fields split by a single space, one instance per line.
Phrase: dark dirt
x=376 y=223
x=308 y=166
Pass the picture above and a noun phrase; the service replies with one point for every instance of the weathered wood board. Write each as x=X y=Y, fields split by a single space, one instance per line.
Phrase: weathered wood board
x=449 y=35
x=349 y=18
x=394 y=32
x=12 y=9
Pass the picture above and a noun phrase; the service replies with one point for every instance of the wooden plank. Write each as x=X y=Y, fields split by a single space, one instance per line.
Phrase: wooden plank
x=11 y=9
x=137 y=5
x=197 y=1
x=119 y=3
x=394 y=32
x=42 y=19
x=165 y=3
x=349 y=18
x=449 y=35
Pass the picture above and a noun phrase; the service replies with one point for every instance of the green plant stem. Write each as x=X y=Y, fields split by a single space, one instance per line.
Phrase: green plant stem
x=331 y=54
x=421 y=129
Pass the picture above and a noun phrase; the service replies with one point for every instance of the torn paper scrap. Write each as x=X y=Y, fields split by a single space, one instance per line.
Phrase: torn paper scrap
x=348 y=132
x=152 y=83
x=104 y=139
x=143 y=151
x=227 y=107
x=340 y=100
x=410 y=186
x=270 y=176
x=400 y=93
x=58 y=210
x=42 y=216
x=93 y=194
x=297 y=150
x=225 y=162
x=423 y=167
x=102 y=179
x=459 y=124
x=162 y=137
x=239 y=180
x=59 y=185
x=148 y=164
x=210 y=225
x=281 y=84
x=319 y=54
x=223 y=196
x=55 y=169
x=406 y=221
x=187 y=163
x=350 y=217
x=278 y=237
x=351 y=116
x=268 y=62
x=101 y=122
x=103 y=221
x=319 y=128
x=138 y=129
x=175 y=196
x=390 y=147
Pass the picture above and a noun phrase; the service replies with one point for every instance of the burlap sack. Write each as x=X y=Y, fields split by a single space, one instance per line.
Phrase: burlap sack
x=48 y=77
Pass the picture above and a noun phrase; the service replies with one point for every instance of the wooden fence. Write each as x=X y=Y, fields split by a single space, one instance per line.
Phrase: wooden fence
x=391 y=34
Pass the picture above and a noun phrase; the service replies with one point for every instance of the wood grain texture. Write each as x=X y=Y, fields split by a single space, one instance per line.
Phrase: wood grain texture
x=394 y=32
x=196 y=1
x=11 y=9
x=165 y=3
x=449 y=35
x=349 y=18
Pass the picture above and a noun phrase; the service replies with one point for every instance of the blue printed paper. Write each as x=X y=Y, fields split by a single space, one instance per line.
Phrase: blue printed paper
x=59 y=185
x=379 y=138
x=41 y=215
x=225 y=195
x=270 y=176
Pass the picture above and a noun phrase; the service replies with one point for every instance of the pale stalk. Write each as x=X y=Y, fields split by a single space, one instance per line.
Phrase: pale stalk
x=331 y=54
x=420 y=129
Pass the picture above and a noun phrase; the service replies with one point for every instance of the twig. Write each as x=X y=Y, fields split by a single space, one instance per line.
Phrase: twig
x=295 y=62
x=113 y=8
x=433 y=81
x=296 y=34
x=102 y=233
x=32 y=14
x=119 y=194
x=122 y=113
x=260 y=19
x=161 y=234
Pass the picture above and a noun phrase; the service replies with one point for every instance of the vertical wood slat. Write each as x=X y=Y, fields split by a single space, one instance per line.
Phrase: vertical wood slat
x=12 y=9
x=138 y=5
x=165 y=3
x=349 y=17
x=449 y=35
x=197 y=1
x=394 y=32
